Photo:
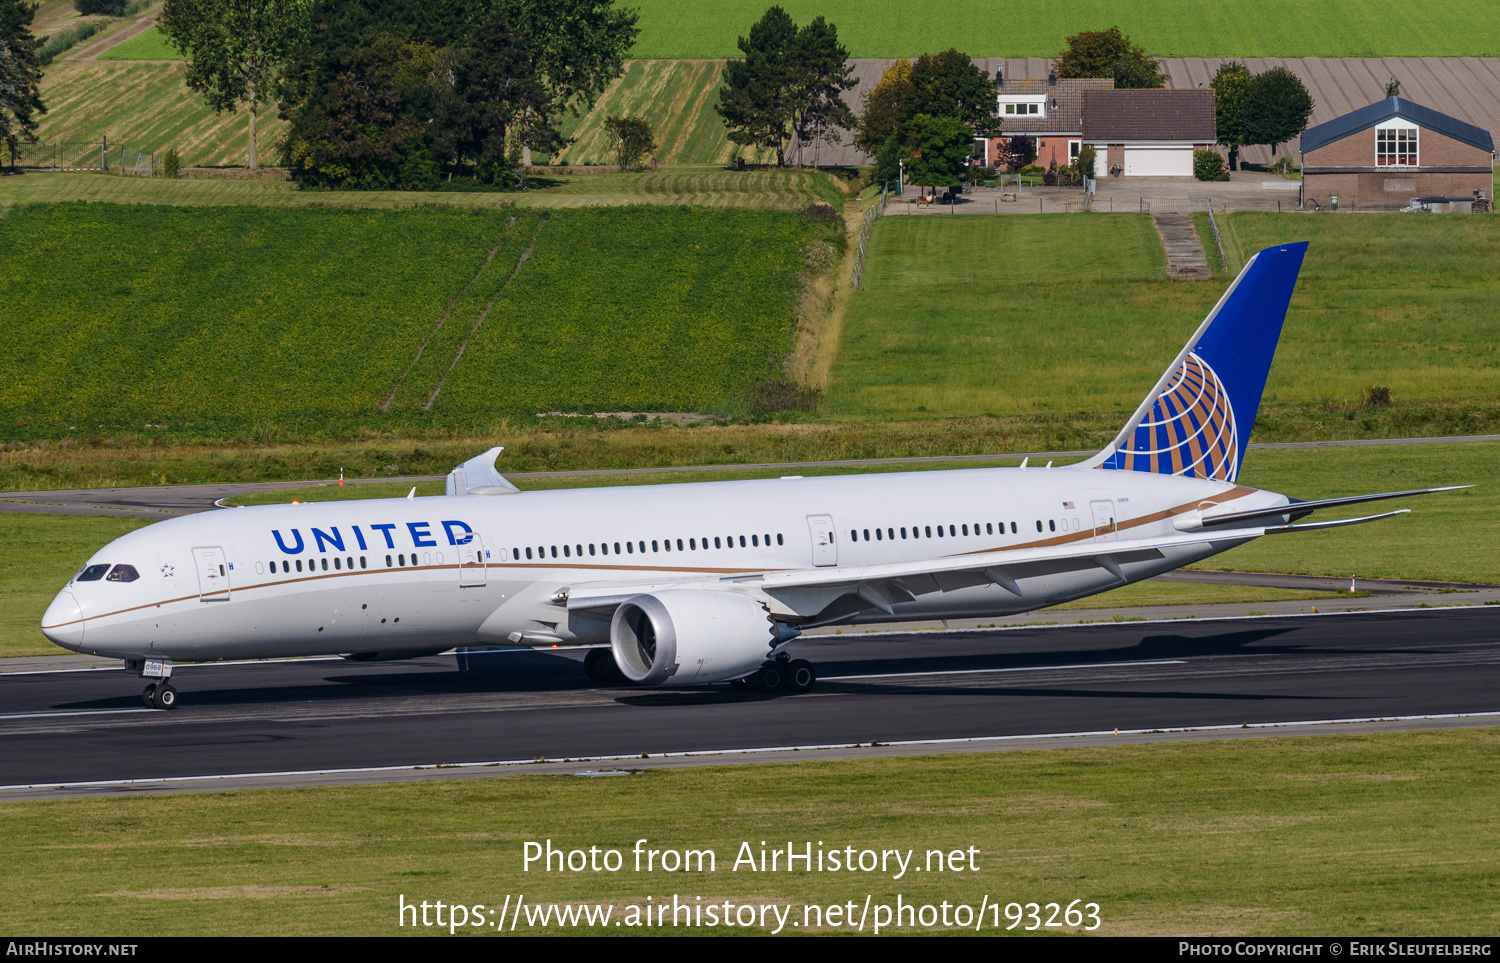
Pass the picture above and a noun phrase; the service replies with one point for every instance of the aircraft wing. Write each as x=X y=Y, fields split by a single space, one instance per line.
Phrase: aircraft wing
x=807 y=591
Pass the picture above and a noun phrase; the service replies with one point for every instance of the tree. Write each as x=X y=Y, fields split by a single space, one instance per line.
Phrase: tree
x=633 y=138
x=885 y=108
x=20 y=75
x=1230 y=82
x=938 y=149
x=822 y=73
x=758 y=100
x=948 y=84
x=235 y=49
x=1393 y=88
x=1276 y=108
x=1109 y=53
x=531 y=64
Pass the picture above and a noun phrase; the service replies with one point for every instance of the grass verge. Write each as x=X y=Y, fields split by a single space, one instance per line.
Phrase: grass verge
x=1358 y=835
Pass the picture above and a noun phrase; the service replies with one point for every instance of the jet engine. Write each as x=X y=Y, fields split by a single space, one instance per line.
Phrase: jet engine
x=689 y=636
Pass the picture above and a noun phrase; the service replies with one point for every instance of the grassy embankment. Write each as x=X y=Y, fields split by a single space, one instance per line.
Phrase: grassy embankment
x=1361 y=836
x=1447 y=537
x=248 y=320
x=1174 y=28
x=1412 y=304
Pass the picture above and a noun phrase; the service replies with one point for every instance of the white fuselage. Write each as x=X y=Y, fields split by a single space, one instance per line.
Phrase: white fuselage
x=407 y=575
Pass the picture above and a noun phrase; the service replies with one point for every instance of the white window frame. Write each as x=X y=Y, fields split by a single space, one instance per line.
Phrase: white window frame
x=1011 y=105
x=1399 y=126
x=1075 y=147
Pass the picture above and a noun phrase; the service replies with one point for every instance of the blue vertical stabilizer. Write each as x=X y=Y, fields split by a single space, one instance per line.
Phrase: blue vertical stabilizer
x=1197 y=420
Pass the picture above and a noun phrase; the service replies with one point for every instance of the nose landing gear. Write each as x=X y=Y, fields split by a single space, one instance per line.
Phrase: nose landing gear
x=161 y=696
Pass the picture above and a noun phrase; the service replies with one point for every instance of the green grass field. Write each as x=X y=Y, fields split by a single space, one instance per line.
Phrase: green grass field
x=783 y=190
x=145 y=106
x=677 y=97
x=948 y=327
x=1176 y=28
x=1361 y=836
x=245 y=318
x=151 y=45
x=1447 y=537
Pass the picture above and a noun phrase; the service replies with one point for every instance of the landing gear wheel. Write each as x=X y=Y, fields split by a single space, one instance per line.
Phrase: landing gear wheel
x=166 y=696
x=769 y=678
x=149 y=696
x=599 y=665
x=800 y=676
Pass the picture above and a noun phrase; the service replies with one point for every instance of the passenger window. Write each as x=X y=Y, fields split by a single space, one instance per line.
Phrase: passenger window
x=940 y=531
x=966 y=529
x=350 y=562
x=1051 y=525
x=617 y=548
x=528 y=551
x=693 y=544
x=299 y=564
x=867 y=534
x=325 y=564
x=755 y=540
x=1039 y=524
x=554 y=551
x=778 y=538
x=578 y=550
x=630 y=547
x=566 y=552
x=953 y=530
x=929 y=530
x=742 y=539
x=643 y=547
x=591 y=548
x=903 y=533
x=337 y=564
x=716 y=542
x=653 y=546
x=1012 y=528
x=989 y=528
x=877 y=534
x=515 y=553
x=123 y=573
x=679 y=545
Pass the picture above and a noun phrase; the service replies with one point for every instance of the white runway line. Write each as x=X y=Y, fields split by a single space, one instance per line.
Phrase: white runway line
x=80 y=712
x=1026 y=668
x=699 y=753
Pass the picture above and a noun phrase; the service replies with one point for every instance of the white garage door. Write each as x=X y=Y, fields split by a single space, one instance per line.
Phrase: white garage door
x=1158 y=162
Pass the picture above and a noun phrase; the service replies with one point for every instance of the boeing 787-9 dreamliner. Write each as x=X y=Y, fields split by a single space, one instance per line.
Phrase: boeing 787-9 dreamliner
x=702 y=583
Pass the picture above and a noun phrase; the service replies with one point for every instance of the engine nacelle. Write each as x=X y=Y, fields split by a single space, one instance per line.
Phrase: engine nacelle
x=690 y=636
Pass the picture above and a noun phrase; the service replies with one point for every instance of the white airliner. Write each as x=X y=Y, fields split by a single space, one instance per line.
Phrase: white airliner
x=705 y=583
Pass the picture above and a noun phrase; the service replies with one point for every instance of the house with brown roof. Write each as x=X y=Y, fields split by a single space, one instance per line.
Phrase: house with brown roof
x=1148 y=133
x=1383 y=156
x=1047 y=112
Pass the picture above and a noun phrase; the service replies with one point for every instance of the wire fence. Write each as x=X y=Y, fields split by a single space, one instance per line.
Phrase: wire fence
x=868 y=225
x=81 y=156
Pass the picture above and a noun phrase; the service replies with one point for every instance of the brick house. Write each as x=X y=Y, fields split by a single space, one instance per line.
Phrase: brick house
x=1049 y=112
x=1382 y=156
x=1148 y=133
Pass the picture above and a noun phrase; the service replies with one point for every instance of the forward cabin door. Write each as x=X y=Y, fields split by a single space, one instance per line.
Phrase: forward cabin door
x=1104 y=521
x=471 y=570
x=213 y=574
x=824 y=550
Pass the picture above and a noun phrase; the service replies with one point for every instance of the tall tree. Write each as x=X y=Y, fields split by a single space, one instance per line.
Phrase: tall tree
x=886 y=108
x=235 y=49
x=533 y=63
x=1277 y=107
x=938 y=150
x=1109 y=53
x=758 y=99
x=633 y=137
x=1230 y=82
x=823 y=73
x=20 y=75
x=948 y=84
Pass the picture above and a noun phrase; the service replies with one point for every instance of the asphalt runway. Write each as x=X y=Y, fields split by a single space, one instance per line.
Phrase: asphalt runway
x=319 y=715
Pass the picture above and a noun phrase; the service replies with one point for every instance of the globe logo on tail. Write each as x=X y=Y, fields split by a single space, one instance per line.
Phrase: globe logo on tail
x=1190 y=430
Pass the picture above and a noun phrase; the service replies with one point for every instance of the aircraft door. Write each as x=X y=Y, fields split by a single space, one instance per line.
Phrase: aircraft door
x=824 y=549
x=1105 y=528
x=471 y=568
x=213 y=574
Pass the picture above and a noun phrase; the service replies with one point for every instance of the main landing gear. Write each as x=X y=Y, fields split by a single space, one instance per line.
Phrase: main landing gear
x=779 y=674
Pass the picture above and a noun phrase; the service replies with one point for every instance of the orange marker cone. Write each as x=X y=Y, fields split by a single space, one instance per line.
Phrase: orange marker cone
x=341 y=478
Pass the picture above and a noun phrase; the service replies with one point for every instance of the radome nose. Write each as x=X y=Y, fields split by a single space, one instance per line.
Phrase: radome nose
x=63 y=621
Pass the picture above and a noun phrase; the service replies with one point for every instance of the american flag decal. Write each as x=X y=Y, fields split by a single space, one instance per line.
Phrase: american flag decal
x=1067 y=504
x=1190 y=430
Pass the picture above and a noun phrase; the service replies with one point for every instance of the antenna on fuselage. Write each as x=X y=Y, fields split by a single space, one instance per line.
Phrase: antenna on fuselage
x=1024 y=461
x=411 y=494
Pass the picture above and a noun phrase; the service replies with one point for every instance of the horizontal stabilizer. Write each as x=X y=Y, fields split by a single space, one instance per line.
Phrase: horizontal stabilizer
x=1336 y=523
x=478 y=476
x=1298 y=509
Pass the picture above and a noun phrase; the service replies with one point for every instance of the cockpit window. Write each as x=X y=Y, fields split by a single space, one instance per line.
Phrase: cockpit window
x=123 y=573
x=93 y=573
